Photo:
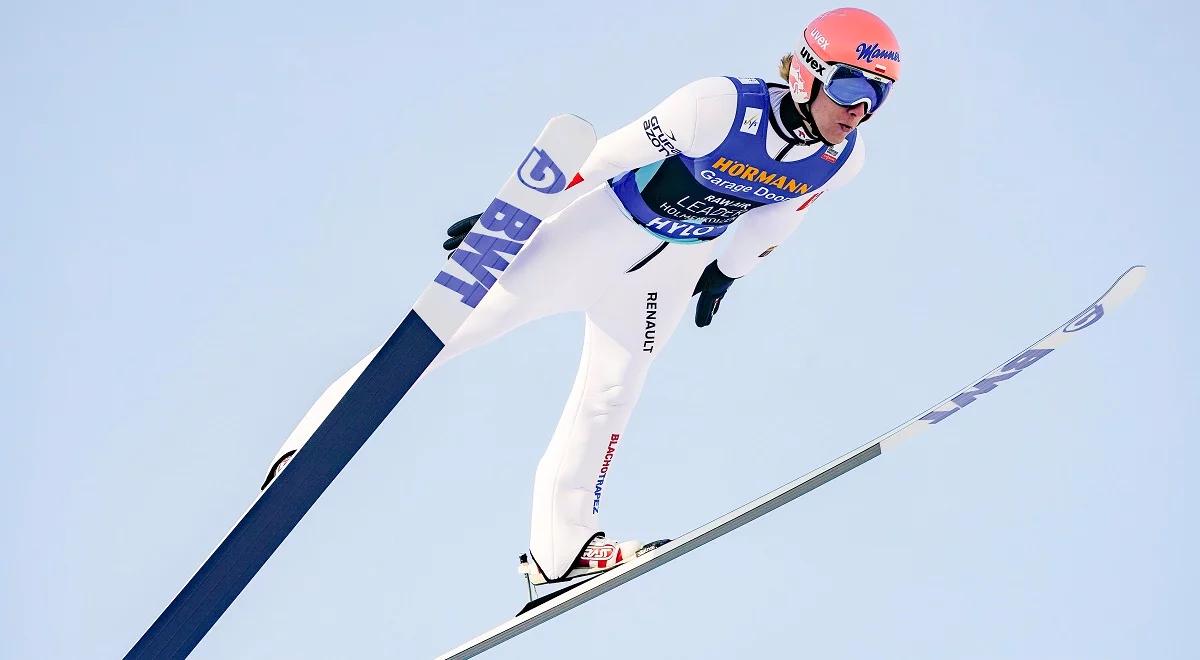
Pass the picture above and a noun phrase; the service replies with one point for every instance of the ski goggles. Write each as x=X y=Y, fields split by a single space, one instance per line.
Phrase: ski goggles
x=848 y=86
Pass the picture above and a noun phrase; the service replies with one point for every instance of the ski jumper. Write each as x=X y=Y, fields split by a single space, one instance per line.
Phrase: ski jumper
x=666 y=191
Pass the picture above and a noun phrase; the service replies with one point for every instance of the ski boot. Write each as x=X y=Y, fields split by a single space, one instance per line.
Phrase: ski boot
x=599 y=555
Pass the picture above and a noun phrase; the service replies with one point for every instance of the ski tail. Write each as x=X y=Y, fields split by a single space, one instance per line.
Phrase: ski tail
x=279 y=508
x=537 y=189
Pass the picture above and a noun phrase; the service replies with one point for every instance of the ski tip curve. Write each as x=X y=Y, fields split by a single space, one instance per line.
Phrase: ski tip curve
x=1138 y=270
x=1126 y=284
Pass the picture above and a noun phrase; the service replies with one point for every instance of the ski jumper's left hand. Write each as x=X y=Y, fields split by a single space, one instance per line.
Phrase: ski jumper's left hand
x=712 y=286
x=458 y=231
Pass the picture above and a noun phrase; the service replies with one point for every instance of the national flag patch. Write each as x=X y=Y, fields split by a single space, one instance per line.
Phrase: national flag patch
x=831 y=154
x=810 y=200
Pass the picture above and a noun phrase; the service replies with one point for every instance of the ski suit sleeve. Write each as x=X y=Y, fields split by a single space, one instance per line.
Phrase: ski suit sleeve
x=693 y=120
x=759 y=231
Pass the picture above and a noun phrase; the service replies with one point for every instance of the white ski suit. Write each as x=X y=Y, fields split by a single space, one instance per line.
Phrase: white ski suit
x=628 y=253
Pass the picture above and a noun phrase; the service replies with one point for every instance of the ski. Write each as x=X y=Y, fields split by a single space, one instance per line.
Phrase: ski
x=534 y=192
x=543 y=609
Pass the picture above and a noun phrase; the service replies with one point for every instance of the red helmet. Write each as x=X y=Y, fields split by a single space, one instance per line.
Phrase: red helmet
x=852 y=53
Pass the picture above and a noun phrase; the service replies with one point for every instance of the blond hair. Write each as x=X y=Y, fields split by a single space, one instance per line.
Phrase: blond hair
x=785 y=66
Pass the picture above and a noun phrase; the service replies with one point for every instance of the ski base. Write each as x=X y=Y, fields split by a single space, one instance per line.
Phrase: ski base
x=535 y=191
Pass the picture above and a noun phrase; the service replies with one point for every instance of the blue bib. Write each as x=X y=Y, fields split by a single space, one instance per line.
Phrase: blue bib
x=686 y=200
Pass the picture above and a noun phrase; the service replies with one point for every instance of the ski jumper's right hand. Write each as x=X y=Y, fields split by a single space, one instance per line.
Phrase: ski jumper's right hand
x=712 y=287
x=458 y=231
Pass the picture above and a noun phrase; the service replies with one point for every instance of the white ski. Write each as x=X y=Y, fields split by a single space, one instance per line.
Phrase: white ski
x=543 y=609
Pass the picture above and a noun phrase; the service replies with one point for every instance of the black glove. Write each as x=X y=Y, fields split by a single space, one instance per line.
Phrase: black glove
x=458 y=231
x=711 y=286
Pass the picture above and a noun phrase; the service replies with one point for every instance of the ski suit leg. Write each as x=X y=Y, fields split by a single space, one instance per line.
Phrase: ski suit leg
x=555 y=272
x=625 y=330
x=498 y=313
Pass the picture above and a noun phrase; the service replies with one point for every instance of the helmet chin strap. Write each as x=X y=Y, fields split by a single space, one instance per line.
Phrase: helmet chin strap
x=800 y=120
x=804 y=120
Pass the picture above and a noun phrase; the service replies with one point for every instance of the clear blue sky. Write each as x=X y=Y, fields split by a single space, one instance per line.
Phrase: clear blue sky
x=210 y=210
